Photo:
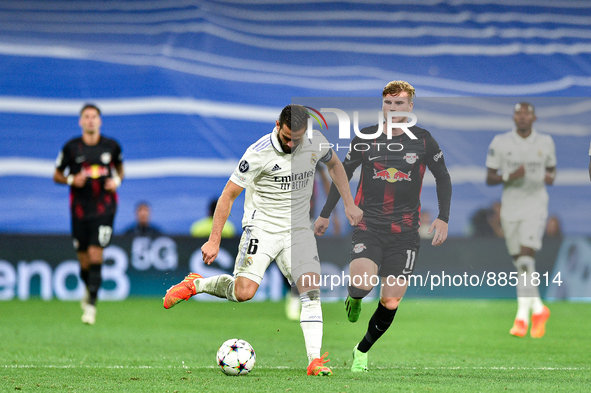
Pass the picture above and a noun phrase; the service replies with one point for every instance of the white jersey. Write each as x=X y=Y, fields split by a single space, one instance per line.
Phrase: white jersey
x=526 y=197
x=279 y=185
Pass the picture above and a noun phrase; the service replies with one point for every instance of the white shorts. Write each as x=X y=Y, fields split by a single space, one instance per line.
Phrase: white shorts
x=527 y=233
x=295 y=253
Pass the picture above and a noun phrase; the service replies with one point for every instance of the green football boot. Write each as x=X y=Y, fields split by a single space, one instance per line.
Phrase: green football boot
x=353 y=307
x=359 y=361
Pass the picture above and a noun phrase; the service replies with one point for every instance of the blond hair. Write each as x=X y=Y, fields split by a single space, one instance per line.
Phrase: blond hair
x=396 y=87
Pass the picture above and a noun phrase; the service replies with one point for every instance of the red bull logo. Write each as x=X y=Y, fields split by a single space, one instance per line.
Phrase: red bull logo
x=391 y=175
x=96 y=171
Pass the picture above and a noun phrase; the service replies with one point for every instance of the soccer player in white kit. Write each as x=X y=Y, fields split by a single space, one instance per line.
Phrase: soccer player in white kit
x=277 y=172
x=527 y=163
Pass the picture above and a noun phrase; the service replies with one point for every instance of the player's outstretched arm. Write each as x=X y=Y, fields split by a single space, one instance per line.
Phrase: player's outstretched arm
x=339 y=177
x=211 y=248
x=440 y=228
x=436 y=164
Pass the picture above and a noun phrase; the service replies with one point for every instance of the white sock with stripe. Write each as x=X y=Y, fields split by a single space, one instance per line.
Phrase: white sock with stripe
x=311 y=323
x=219 y=286
x=527 y=292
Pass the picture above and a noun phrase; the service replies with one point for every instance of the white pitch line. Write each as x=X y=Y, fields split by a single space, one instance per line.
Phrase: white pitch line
x=502 y=368
x=487 y=368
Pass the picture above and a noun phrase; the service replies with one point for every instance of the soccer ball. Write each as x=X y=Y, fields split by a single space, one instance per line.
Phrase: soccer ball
x=236 y=357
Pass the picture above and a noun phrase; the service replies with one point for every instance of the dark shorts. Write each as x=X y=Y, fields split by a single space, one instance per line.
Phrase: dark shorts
x=94 y=232
x=394 y=253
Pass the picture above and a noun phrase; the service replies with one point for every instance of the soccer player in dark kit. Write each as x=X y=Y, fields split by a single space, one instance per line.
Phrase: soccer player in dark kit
x=386 y=241
x=95 y=170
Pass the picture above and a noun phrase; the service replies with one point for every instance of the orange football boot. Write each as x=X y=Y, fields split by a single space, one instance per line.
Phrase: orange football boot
x=519 y=328
x=317 y=367
x=181 y=291
x=538 y=323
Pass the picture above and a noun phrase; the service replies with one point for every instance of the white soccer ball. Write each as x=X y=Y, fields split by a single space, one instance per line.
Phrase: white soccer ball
x=236 y=357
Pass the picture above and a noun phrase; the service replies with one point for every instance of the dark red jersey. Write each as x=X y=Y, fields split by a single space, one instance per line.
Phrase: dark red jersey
x=99 y=163
x=391 y=180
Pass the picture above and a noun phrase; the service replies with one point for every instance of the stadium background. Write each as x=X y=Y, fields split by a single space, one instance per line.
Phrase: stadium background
x=186 y=86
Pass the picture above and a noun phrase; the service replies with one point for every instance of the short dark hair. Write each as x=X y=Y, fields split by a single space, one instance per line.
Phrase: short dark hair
x=90 y=106
x=529 y=106
x=294 y=116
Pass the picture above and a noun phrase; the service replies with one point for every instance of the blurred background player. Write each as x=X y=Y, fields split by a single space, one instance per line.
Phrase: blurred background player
x=527 y=162
x=143 y=222
x=95 y=171
x=386 y=242
x=202 y=227
x=277 y=172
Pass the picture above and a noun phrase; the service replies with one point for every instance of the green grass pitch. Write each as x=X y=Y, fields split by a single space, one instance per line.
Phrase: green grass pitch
x=433 y=345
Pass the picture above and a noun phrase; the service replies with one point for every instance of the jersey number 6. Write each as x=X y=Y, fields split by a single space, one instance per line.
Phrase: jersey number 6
x=253 y=246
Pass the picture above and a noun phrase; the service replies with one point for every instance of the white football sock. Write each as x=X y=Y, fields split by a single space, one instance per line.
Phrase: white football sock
x=527 y=292
x=311 y=322
x=523 y=304
x=220 y=286
x=536 y=305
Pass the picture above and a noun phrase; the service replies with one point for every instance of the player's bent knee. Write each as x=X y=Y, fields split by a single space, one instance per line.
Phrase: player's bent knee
x=391 y=303
x=308 y=282
x=244 y=289
x=527 y=251
x=244 y=295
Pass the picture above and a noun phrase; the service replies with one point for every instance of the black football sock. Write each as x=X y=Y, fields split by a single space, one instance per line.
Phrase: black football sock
x=94 y=282
x=357 y=293
x=84 y=276
x=378 y=324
